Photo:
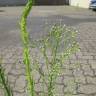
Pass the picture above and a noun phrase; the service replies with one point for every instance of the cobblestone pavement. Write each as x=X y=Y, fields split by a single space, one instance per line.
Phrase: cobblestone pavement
x=78 y=73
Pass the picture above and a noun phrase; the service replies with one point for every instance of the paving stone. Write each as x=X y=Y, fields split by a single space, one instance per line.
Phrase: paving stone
x=87 y=69
x=73 y=57
x=41 y=94
x=91 y=80
x=66 y=72
x=59 y=90
x=87 y=89
x=12 y=78
x=95 y=72
x=89 y=54
x=19 y=52
x=70 y=88
x=85 y=57
x=68 y=94
x=95 y=56
x=75 y=66
x=68 y=80
x=8 y=54
x=19 y=94
x=45 y=70
x=8 y=68
x=18 y=72
x=36 y=76
x=9 y=61
x=45 y=80
x=20 y=84
x=59 y=80
x=79 y=77
x=1 y=92
x=66 y=64
x=80 y=95
x=4 y=51
x=92 y=63
x=83 y=48
x=79 y=53
x=80 y=61
x=39 y=87
x=19 y=65
x=24 y=94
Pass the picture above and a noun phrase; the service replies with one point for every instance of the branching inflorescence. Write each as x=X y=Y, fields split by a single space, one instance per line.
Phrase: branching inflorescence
x=60 y=44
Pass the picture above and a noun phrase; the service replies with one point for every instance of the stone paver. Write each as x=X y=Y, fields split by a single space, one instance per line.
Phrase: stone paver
x=78 y=76
x=91 y=80
x=87 y=89
x=19 y=85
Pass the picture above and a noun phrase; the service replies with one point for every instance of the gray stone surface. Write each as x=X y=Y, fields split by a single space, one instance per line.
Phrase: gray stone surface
x=78 y=73
x=12 y=2
x=91 y=80
x=93 y=63
x=20 y=84
x=87 y=89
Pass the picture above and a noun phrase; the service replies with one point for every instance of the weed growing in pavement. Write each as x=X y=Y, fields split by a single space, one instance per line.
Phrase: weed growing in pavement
x=25 y=40
x=4 y=84
x=55 y=49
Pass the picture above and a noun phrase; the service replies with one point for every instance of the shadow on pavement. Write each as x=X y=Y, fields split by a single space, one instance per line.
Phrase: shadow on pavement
x=2 y=10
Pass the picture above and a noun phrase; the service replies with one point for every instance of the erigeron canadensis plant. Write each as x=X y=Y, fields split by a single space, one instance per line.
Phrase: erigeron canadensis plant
x=4 y=83
x=60 y=43
x=25 y=40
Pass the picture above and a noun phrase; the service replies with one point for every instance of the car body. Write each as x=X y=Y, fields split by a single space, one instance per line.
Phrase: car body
x=92 y=4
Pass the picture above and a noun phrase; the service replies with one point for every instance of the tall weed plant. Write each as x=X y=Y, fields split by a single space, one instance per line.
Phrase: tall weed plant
x=54 y=48
x=25 y=40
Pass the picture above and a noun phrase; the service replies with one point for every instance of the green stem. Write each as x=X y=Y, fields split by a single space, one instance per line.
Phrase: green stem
x=23 y=24
x=5 y=82
x=50 y=87
x=25 y=39
x=51 y=76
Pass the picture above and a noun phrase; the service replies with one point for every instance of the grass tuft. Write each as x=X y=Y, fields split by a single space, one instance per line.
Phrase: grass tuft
x=4 y=83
